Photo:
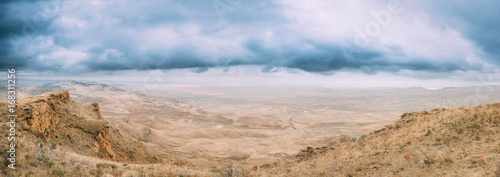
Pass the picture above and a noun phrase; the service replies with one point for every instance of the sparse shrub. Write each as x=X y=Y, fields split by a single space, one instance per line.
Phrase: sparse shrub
x=57 y=172
x=105 y=165
x=97 y=172
x=29 y=174
x=42 y=159
x=345 y=139
x=51 y=163
x=229 y=171
x=100 y=165
x=429 y=161
x=180 y=162
x=428 y=133
x=38 y=141
x=447 y=160
x=52 y=145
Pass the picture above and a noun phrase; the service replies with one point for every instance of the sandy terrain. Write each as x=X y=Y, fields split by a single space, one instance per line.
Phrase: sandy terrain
x=209 y=125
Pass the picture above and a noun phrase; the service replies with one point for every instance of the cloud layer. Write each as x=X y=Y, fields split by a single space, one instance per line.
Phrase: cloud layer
x=314 y=36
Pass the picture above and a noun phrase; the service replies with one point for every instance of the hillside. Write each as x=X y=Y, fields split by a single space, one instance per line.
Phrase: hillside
x=456 y=142
x=70 y=123
x=58 y=136
x=53 y=120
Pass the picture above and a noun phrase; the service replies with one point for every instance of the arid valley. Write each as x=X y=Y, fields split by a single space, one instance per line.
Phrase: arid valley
x=210 y=127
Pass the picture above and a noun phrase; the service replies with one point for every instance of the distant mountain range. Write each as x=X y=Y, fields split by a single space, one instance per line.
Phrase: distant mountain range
x=79 y=86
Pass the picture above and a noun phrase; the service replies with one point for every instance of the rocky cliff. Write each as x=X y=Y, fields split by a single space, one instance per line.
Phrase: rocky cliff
x=80 y=127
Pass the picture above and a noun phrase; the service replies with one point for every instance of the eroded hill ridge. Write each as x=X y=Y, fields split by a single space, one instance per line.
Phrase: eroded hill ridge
x=442 y=142
x=54 y=116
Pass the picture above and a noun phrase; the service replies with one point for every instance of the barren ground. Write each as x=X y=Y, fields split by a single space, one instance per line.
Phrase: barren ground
x=212 y=125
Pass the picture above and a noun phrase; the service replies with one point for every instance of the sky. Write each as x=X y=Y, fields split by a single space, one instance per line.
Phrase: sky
x=395 y=43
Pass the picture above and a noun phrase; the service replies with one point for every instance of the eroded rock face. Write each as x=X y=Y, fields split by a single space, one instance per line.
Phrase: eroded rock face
x=103 y=145
x=40 y=114
x=79 y=126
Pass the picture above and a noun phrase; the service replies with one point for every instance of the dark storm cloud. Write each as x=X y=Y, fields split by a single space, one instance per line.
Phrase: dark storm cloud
x=330 y=57
x=318 y=58
x=478 y=21
x=127 y=35
x=8 y=25
x=20 y=21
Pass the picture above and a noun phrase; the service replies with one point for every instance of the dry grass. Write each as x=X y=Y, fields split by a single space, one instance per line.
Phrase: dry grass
x=457 y=142
x=37 y=158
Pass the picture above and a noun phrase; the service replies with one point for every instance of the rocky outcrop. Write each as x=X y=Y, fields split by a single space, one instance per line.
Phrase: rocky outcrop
x=41 y=113
x=103 y=145
x=80 y=127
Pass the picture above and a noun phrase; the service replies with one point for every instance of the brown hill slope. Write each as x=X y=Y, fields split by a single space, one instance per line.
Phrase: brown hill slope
x=58 y=136
x=54 y=116
x=456 y=142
